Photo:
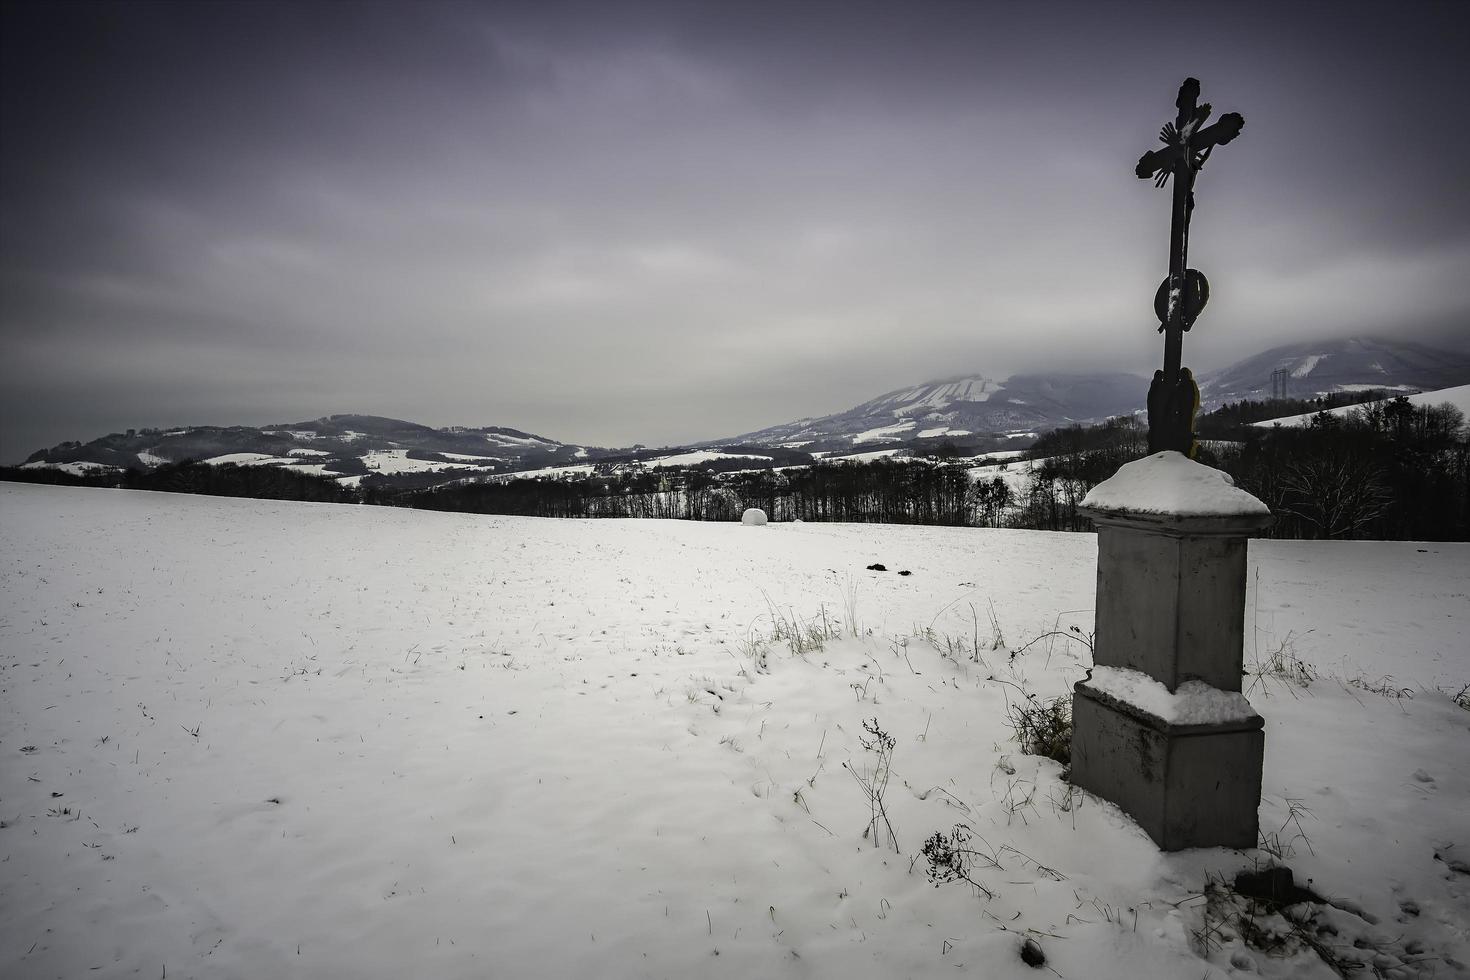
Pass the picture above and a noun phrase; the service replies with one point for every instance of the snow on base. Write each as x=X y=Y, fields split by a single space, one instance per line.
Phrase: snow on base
x=1171 y=483
x=1194 y=703
x=753 y=517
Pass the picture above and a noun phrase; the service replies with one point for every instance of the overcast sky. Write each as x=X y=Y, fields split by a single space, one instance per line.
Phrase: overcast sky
x=615 y=222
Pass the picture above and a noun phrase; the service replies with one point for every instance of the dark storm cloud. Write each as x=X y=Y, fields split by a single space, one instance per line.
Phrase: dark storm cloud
x=616 y=222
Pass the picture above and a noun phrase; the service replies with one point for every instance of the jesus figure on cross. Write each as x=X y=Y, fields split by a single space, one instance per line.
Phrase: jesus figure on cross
x=1173 y=398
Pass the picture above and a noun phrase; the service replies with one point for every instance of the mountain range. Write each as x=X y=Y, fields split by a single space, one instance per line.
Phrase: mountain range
x=974 y=413
x=960 y=409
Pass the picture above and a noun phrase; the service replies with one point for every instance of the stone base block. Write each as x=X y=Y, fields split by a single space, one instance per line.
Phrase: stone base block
x=1186 y=785
x=1171 y=595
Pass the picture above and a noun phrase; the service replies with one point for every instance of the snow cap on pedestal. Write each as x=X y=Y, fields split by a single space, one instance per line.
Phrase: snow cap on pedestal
x=1171 y=483
x=753 y=517
x=1193 y=703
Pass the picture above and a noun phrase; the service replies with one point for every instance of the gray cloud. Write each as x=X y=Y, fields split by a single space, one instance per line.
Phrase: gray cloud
x=626 y=222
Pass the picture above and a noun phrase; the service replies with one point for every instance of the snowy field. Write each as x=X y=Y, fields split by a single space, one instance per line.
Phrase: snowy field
x=1458 y=397
x=263 y=739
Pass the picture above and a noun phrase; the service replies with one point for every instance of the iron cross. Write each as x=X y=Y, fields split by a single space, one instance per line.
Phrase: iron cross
x=1188 y=142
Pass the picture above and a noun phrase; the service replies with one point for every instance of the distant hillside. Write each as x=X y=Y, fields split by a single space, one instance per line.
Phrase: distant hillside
x=981 y=412
x=343 y=445
x=388 y=452
x=961 y=409
x=1323 y=367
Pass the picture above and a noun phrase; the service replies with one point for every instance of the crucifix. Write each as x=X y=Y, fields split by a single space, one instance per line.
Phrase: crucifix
x=1173 y=397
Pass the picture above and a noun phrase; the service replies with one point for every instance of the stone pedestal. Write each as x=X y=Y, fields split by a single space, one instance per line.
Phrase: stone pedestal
x=1186 y=785
x=1171 y=595
x=1161 y=729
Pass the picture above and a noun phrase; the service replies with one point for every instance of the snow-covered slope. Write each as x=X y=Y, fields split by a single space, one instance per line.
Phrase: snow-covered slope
x=1458 y=397
x=972 y=405
x=936 y=396
x=261 y=739
x=343 y=444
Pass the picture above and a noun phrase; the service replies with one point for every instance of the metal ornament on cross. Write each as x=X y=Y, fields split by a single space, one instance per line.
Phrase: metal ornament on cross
x=1173 y=396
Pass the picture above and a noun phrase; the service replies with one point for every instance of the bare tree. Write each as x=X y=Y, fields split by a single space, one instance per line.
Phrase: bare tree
x=1335 y=494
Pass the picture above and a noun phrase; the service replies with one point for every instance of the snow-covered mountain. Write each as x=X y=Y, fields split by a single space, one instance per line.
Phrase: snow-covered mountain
x=960 y=408
x=972 y=408
x=343 y=445
x=1324 y=367
x=351 y=447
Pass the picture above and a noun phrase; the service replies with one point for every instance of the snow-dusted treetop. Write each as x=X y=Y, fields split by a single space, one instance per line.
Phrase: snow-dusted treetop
x=1171 y=483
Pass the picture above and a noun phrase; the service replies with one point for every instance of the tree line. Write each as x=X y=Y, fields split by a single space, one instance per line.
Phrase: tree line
x=190 y=476
x=1388 y=470
x=880 y=491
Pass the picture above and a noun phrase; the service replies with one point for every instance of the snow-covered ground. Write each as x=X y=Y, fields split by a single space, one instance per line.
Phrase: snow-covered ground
x=75 y=469
x=395 y=461
x=467 y=458
x=1458 y=397
x=699 y=456
x=1014 y=473
x=898 y=454
x=262 y=739
x=546 y=472
x=1000 y=455
x=692 y=458
x=1307 y=366
x=251 y=459
x=883 y=432
x=501 y=439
